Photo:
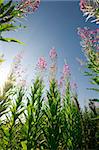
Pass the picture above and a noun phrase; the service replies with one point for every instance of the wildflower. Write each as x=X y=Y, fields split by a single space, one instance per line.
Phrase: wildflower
x=82 y=4
x=28 y=6
x=66 y=70
x=64 y=77
x=22 y=83
x=17 y=70
x=73 y=85
x=89 y=39
x=61 y=82
x=53 y=63
x=41 y=68
x=42 y=64
x=53 y=53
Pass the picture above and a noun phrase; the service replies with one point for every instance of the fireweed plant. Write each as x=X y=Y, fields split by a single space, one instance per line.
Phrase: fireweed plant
x=90 y=8
x=11 y=11
x=17 y=71
x=45 y=119
x=36 y=118
x=90 y=46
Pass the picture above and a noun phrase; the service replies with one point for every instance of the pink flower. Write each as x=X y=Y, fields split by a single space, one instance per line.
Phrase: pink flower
x=53 y=53
x=42 y=64
x=82 y=4
x=89 y=39
x=61 y=83
x=17 y=71
x=27 y=6
x=22 y=83
x=66 y=70
x=53 y=65
x=64 y=76
x=74 y=85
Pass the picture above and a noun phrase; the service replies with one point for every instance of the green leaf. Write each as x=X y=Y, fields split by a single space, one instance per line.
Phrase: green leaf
x=11 y=40
x=24 y=145
x=88 y=73
x=7 y=27
x=5 y=7
x=97 y=118
x=1 y=1
x=6 y=19
x=95 y=100
x=94 y=89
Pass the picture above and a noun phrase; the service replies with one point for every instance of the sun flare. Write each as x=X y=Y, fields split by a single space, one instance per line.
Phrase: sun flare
x=3 y=75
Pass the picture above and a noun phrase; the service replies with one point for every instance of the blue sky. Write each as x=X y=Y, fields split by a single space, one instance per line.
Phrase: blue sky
x=55 y=24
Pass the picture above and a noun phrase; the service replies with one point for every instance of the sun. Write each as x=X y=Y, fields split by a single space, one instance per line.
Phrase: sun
x=3 y=74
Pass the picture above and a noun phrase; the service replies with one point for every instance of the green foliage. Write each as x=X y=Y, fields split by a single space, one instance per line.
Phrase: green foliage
x=4 y=99
x=4 y=102
x=11 y=40
x=10 y=129
x=30 y=123
x=1 y=1
x=90 y=130
x=93 y=66
x=8 y=13
x=72 y=122
x=31 y=130
x=89 y=43
x=52 y=124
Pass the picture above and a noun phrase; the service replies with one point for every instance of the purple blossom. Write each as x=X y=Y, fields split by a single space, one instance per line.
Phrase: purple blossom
x=17 y=70
x=42 y=64
x=65 y=76
x=82 y=5
x=89 y=39
x=66 y=70
x=41 y=68
x=53 y=63
x=61 y=82
x=53 y=53
x=28 y=6
x=22 y=83
x=73 y=85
